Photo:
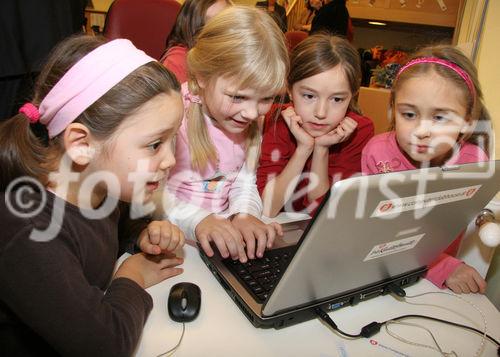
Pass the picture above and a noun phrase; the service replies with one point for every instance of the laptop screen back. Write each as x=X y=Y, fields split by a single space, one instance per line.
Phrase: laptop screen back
x=372 y=228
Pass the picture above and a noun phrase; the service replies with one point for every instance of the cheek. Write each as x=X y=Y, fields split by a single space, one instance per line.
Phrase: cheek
x=338 y=112
x=264 y=108
x=304 y=110
x=222 y=109
x=403 y=133
x=446 y=138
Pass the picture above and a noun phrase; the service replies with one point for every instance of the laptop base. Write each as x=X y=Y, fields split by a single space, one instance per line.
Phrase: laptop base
x=301 y=314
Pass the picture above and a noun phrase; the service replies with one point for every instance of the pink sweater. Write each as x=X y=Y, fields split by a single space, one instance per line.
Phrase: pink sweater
x=225 y=188
x=382 y=154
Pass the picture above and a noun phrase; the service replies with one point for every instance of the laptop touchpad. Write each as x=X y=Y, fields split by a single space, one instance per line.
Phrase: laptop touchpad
x=292 y=232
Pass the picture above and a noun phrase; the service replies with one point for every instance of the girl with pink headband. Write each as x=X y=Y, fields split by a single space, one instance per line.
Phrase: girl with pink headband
x=101 y=112
x=437 y=119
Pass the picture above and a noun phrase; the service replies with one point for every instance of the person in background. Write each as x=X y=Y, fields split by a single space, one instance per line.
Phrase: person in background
x=101 y=111
x=333 y=17
x=438 y=119
x=312 y=7
x=236 y=68
x=318 y=138
x=277 y=11
x=28 y=31
x=191 y=18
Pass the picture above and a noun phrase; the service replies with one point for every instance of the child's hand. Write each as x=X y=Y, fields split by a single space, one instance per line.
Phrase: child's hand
x=294 y=123
x=253 y=229
x=160 y=236
x=339 y=134
x=465 y=279
x=227 y=238
x=148 y=270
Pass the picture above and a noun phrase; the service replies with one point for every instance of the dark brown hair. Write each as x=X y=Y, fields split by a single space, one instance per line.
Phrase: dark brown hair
x=475 y=109
x=189 y=22
x=24 y=152
x=319 y=53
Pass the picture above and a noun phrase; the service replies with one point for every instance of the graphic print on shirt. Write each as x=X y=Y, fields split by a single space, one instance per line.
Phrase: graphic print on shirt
x=214 y=183
x=386 y=166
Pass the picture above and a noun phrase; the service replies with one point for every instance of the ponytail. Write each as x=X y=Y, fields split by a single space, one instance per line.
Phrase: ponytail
x=22 y=153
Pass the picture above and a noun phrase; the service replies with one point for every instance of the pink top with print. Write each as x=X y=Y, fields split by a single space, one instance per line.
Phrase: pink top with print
x=208 y=189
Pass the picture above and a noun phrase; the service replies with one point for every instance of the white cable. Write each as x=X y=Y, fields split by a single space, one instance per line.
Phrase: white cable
x=483 y=336
x=171 y=351
x=438 y=349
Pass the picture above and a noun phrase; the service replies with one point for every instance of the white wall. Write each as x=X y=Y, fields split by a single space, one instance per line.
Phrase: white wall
x=489 y=76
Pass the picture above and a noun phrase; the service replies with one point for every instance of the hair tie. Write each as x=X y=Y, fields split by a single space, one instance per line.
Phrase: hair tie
x=192 y=98
x=457 y=69
x=31 y=111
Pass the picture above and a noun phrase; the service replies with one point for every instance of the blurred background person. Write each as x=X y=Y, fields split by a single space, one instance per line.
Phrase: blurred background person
x=29 y=29
x=191 y=18
x=277 y=11
x=332 y=17
x=312 y=7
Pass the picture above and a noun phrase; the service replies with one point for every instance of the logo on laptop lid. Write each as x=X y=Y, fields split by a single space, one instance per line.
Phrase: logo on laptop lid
x=397 y=246
x=423 y=201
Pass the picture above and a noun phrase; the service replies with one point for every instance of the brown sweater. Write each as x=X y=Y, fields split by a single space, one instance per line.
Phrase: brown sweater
x=57 y=297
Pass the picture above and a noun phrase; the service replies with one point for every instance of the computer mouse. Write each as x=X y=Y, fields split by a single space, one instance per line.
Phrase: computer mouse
x=184 y=301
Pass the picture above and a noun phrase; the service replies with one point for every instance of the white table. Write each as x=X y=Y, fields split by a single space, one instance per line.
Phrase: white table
x=221 y=329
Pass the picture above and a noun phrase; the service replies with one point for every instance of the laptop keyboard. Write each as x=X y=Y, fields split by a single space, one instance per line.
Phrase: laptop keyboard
x=259 y=276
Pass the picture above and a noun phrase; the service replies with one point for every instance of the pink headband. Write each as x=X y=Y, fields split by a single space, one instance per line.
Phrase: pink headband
x=87 y=81
x=464 y=75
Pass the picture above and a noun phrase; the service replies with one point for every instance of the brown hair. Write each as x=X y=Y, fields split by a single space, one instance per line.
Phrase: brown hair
x=189 y=22
x=475 y=109
x=26 y=152
x=321 y=52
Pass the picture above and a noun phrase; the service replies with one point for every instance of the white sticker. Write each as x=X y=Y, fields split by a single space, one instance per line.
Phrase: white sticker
x=397 y=246
x=427 y=200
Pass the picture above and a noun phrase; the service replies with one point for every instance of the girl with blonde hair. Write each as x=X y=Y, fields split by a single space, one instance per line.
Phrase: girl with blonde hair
x=236 y=69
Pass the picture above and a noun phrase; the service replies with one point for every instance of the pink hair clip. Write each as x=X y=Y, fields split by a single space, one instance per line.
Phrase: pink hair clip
x=192 y=98
x=31 y=111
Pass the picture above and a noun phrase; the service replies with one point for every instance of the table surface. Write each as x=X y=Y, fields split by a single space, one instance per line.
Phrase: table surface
x=221 y=329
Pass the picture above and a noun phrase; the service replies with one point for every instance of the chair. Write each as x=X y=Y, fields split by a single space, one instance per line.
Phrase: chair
x=374 y=103
x=293 y=38
x=147 y=23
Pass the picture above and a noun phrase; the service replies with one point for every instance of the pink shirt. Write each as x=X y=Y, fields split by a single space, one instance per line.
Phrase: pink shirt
x=382 y=154
x=225 y=188
x=209 y=188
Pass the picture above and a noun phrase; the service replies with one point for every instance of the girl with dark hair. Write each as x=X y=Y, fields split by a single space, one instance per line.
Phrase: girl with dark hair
x=102 y=114
x=190 y=20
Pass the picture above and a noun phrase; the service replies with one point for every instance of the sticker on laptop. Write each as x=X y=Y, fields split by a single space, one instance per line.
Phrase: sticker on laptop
x=397 y=246
x=427 y=200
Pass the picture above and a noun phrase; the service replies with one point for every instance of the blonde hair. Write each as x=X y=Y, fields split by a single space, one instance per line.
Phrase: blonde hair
x=475 y=108
x=242 y=43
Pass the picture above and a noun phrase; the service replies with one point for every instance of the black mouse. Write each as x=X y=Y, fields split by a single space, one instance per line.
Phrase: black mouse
x=184 y=301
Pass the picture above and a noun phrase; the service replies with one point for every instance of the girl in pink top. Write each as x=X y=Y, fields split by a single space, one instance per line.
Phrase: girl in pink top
x=438 y=118
x=236 y=70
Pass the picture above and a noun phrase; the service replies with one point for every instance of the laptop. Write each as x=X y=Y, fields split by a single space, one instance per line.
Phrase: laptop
x=371 y=235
